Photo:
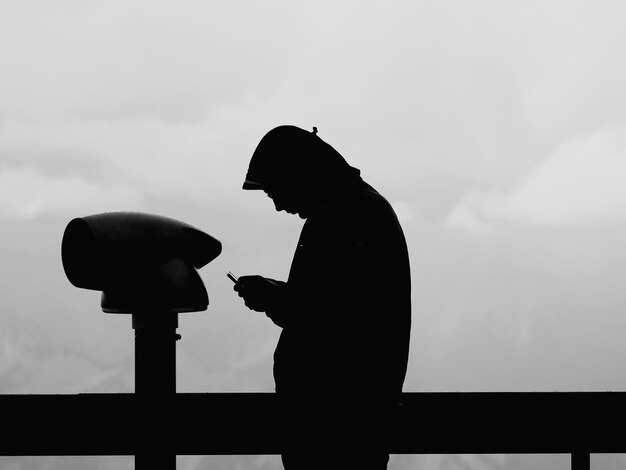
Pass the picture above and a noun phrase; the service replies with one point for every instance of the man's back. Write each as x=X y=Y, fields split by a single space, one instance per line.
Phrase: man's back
x=351 y=324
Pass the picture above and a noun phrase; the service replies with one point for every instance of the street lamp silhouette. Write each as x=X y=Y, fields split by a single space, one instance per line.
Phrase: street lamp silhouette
x=145 y=265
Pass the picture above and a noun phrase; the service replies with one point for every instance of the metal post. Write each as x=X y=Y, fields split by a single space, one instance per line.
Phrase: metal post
x=155 y=387
x=581 y=461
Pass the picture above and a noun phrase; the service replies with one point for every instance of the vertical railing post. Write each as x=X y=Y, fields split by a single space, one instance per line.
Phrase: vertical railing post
x=581 y=460
x=155 y=387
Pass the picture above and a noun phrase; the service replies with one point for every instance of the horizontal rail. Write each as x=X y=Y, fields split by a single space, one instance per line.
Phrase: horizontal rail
x=576 y=423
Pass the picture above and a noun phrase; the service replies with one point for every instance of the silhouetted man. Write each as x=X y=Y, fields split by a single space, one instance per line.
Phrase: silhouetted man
x=345 y=310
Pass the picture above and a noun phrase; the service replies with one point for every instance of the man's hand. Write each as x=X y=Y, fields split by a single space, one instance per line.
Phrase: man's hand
x=258 y=293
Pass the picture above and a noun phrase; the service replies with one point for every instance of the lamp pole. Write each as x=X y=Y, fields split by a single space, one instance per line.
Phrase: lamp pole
x=155 y=387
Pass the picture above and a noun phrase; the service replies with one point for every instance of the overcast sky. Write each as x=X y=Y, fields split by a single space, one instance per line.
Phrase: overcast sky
x=497 y=129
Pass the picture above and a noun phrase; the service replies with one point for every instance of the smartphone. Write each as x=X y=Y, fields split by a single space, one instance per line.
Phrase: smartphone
x=231 y=276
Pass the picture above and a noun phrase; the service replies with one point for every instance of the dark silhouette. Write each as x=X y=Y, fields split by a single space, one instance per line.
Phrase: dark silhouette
x=345 y=309
x=145 y=265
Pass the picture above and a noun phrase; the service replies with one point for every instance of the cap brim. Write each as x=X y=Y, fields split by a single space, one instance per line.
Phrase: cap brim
x=248 y=184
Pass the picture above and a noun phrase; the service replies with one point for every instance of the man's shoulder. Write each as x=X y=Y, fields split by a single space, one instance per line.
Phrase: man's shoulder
x=364 y=209
x=370 y=204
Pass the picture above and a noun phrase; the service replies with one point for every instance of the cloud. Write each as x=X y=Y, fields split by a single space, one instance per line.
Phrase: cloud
x=28 y=194
x=161 y=59
x=574 y=68
x=189 y=161
x=582 y=182
x=405 y=91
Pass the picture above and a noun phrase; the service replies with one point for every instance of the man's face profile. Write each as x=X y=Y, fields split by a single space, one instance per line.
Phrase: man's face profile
x=290 y=198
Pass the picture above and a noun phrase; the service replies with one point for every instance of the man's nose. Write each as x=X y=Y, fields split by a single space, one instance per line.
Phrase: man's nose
x=279 y=207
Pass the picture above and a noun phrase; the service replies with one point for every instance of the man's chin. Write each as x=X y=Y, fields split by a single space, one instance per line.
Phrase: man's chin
x=301 y=214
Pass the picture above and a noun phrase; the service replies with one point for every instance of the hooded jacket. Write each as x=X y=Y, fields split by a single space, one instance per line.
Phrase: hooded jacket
x=347 y=313
x=345 y=309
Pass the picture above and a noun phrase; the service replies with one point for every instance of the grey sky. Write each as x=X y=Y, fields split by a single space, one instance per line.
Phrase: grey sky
x=496 y=128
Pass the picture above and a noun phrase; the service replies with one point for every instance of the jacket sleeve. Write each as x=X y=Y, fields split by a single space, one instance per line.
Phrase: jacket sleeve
x=279 y=305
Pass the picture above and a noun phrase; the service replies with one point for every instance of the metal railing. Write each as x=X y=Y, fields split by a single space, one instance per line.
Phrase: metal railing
x=576 y=423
